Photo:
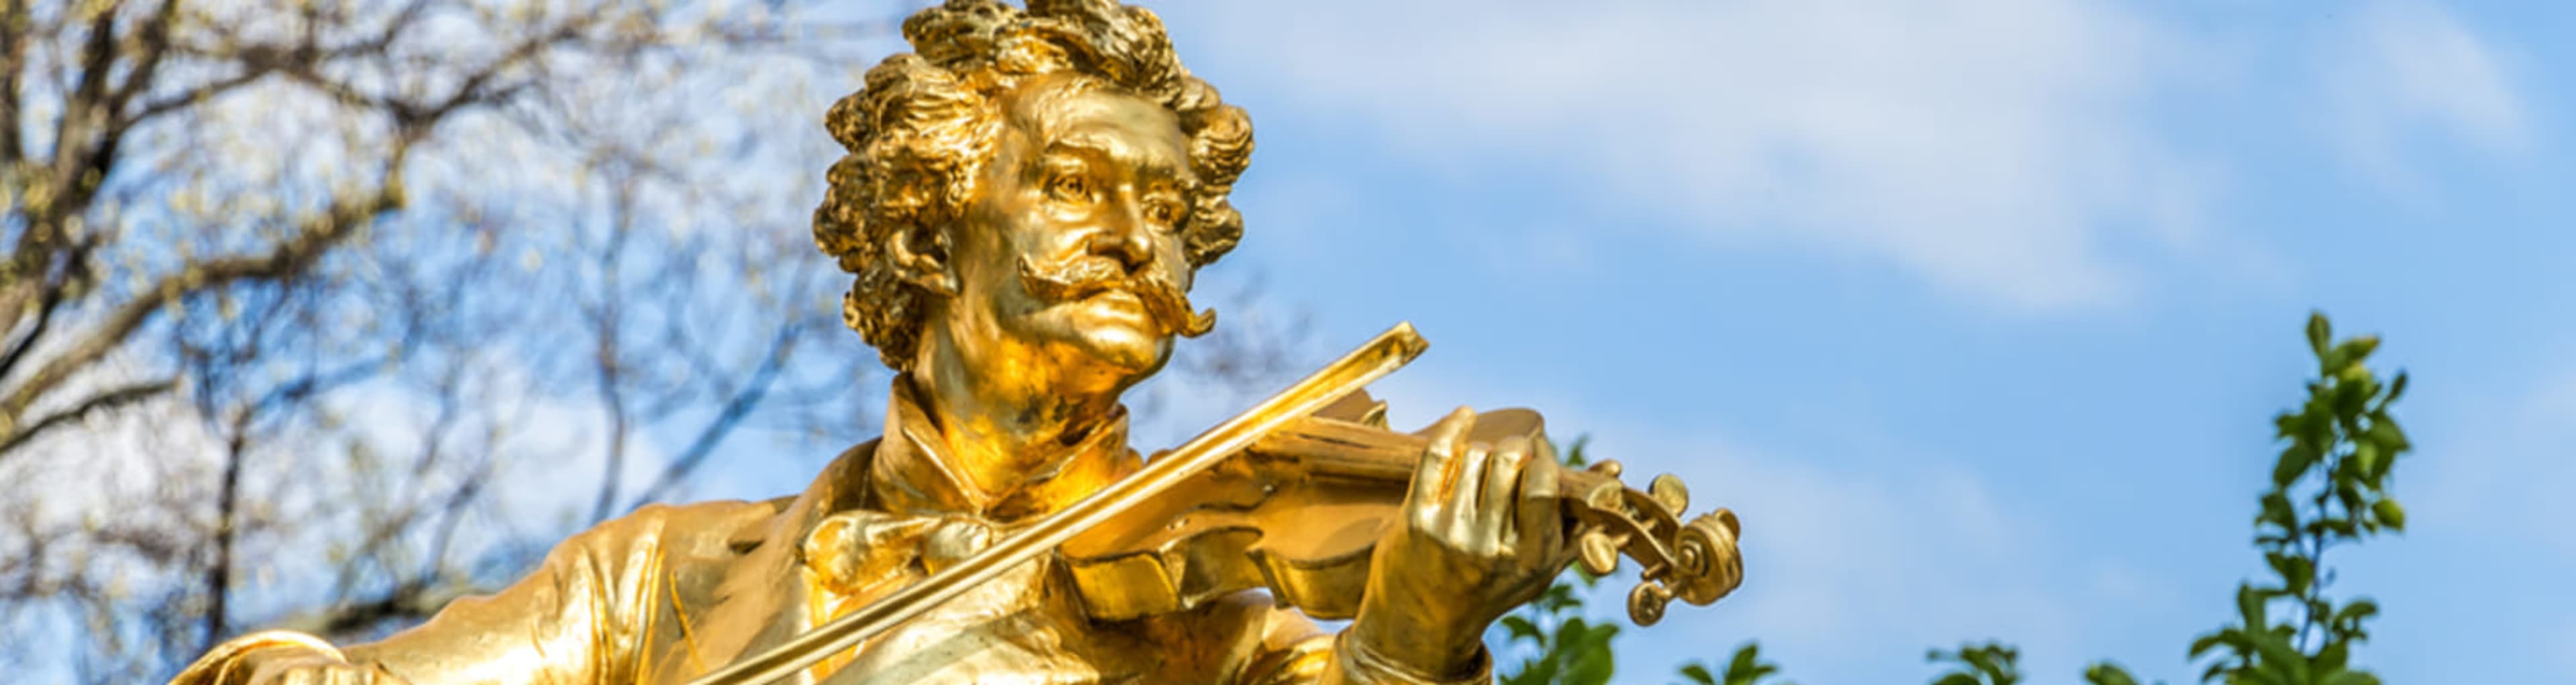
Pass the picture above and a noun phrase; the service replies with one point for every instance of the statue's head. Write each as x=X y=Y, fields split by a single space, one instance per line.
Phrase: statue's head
x=1049 y=178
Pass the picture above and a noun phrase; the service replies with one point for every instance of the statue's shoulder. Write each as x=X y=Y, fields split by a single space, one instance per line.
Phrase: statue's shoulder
x=695 y=529
x=719 y=529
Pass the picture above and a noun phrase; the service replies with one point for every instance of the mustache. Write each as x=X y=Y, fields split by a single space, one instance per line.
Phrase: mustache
x=1165 y=302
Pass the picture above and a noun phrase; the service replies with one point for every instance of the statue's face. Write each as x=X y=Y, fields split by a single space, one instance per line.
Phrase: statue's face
x=1072 y=248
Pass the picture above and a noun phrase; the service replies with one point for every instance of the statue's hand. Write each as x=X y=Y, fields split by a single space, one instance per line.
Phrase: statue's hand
x=1480 y=535
x=296 y=666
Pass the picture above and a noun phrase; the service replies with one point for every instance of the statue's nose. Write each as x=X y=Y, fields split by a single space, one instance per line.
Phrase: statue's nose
x=1124 y=239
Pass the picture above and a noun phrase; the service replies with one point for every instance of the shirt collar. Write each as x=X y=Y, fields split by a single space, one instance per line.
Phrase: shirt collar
x=910 y=475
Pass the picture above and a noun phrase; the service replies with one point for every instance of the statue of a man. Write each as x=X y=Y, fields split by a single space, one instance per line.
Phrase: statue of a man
x=1025 y=200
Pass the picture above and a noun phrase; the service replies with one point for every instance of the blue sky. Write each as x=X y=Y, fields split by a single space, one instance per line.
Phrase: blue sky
x=1977 y=312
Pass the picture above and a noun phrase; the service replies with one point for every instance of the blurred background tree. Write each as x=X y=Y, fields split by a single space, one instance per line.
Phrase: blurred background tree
x=293 y=288
x=320 y=313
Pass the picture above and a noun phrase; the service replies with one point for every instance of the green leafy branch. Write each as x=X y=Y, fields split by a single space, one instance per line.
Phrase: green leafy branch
x=1992 y=663
x=1746 y=668
x=2329 y=487
x=2109 y=673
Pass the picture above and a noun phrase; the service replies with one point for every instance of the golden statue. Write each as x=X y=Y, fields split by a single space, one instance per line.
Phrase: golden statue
x=1024 y=204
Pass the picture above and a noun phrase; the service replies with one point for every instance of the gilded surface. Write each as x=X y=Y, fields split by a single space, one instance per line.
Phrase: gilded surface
x=1026 y=199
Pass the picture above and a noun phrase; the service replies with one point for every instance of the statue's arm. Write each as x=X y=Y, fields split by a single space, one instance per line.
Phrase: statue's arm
x=560 y=624
x=267 y=656
x=1296 y=651
x=557 y=625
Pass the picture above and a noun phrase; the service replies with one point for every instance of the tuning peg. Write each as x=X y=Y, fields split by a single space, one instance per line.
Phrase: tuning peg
x=1600 y=554
x=1646 y=603
x=1668 y=491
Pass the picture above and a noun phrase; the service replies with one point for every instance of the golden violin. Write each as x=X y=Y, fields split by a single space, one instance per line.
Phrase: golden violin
x=1300 y=511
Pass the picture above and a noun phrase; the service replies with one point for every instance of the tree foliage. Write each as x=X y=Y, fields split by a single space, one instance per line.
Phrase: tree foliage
x=1990 y=663
x=2109 y=673
x=2329 y=488
x=1745 y=668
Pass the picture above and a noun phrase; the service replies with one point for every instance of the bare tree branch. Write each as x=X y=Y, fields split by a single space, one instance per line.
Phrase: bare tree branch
x=105 y=401
x=285 y=260
x=735 y=409
x=17 y=27
x=48 y=301
x=219 y=575
x=152 y=42
x=608 y=328
x=147 y=256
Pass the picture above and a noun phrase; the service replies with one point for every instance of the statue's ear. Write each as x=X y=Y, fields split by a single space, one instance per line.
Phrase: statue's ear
x=920 y=255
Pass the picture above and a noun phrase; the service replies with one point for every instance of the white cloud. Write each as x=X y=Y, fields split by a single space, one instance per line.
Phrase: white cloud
x=1986 y=146
x=2403 y=73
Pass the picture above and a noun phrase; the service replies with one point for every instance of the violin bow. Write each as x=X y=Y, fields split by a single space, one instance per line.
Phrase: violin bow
x=1380 y=356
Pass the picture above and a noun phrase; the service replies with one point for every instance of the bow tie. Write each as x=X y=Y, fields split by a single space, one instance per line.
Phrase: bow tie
x=854 y=552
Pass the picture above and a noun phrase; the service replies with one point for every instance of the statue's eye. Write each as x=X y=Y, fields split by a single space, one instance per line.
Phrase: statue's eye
x=1163 y=212
x=1069 y=188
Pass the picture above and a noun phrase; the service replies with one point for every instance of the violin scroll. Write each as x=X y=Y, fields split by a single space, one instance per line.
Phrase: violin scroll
x=1695 y=562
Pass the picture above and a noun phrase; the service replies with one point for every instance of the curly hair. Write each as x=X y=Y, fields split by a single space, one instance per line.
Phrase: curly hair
x=922 y=127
